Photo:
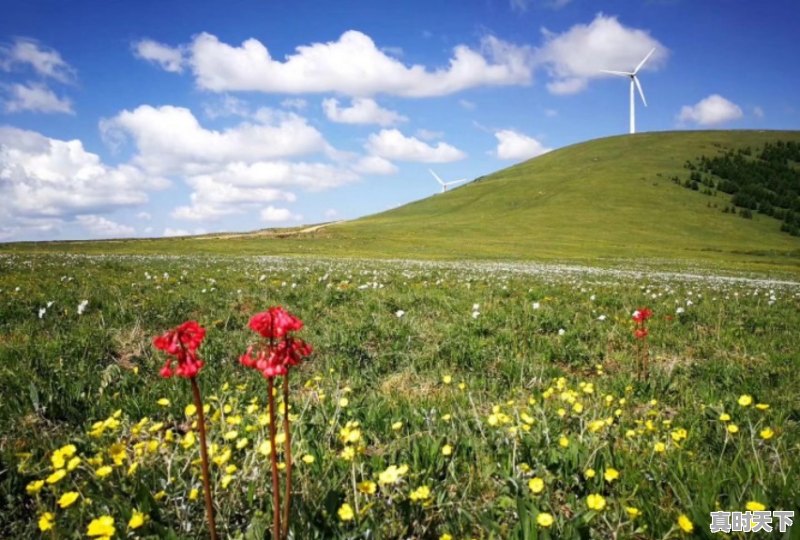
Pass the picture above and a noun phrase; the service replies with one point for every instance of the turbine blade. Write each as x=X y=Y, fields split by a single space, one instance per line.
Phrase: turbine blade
x=641 y=92
x=635 y=71
x=456 y=182
x=436 y=176
x=620 y=73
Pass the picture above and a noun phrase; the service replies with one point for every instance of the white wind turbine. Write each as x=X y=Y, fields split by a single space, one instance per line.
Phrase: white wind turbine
x=444 y=184
x=634 y=81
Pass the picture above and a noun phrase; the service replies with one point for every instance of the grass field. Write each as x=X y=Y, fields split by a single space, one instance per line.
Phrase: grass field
x=508 y=391
x=603 y=202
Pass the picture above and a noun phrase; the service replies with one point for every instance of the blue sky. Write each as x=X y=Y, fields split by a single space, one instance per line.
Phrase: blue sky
x=160 y=118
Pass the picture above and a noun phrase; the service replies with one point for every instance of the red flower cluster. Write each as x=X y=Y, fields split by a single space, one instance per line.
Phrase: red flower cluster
x=277 y=356
x=640 y=316
x=181 y=344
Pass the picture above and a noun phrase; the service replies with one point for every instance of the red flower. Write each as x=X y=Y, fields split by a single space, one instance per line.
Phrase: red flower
x=642 y=314
x=640 y=333
x=275 y=323
x=181 y=344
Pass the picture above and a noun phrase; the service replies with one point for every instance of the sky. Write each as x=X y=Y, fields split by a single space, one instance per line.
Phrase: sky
x=148 y=119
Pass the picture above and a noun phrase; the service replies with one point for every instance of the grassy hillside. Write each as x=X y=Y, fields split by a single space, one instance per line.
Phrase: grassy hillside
x=604 y=199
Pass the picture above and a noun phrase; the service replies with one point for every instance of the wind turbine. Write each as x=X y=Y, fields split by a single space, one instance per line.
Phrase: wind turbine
x=444 y=184
x=634 y=81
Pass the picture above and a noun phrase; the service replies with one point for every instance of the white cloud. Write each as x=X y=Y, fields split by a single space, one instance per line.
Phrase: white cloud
x=577 y=55
x=758 y=112
x=271 y=213
x=103 y=228
x=361 y=111
x=429 y=135
x=170 y=140
x=35 y=98
x=710 y=111
x=169 y=231
x=331 y=213
x=44 y=177
x=144 y=216
x=371 y=165
x=469 y=105
x=169 y=58
x=294 y=103
x=212 y=199
x=392 y=144
x=517 y=146
x=45 y=61
x=352 y=65
x=523 y=5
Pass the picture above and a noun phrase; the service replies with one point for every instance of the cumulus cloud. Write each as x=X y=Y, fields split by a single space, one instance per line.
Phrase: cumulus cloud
x=361 y=111
x=374 y=165
x=429 y=135
x=212 y=199
x=35 y=97
x=270 y=213
x=352 y=65
x=169 y=58
x=523 y=5
x=101 y=227
x=294 y=103
x=392 y=144
x=45 y=61
x=577 y=55
x=710 y=111
x=517 y=146
x=44 y=177
x=170 y=140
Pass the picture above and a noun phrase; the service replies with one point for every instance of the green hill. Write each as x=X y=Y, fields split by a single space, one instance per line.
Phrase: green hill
x=610 y=198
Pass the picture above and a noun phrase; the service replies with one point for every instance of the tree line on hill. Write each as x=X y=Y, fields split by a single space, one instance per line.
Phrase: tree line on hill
x=765 y=180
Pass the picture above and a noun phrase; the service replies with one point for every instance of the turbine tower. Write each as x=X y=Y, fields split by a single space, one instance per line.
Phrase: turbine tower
x=444 y=184
x=634 y=82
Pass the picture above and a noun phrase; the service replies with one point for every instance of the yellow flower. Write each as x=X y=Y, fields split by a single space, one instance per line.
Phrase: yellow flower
x=67 y=499
x=57 y=459
x=544 y=519
x=745 y=400
x=659 y=447
x=161 y=495
x=392 y=474
x=633 y=512
x=536 y=485
x=137 y=520
x=308 y=459
x=762 y=406
x=102 y=472
x=348 y=453
x=595 y=501
x=563 y=442
x=725 y=417
x=34 y=487
x=447 y=379
x=231 y=435
x=226 y=480
x=611 y=474
x=190 y=410
x=164 y=402
x=447 y=450
x=344 y=402
x=118 y=453
x=422 y=493
x=733 y=428
x=73 y=463
x=589 y=473
x=265 y=448
x=767 y=433
x=367 y=487
x=102 y=526
x=685 y=523
x=56 y=476
x=679 y=434
x=133 y=468
x=188 y=440
x=577 y=407
x=755 y=506
x=193 y=494
x=346 y=512
x=46 y=521
x=397 y=425
x=446 y=536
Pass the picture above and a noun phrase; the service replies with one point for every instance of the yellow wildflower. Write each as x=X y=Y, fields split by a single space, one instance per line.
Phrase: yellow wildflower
x=447 y=450
x=164 y=402
x=137 y=520
x=611 y=474
x=345 y=512
x=422 y=493
x=745 y=400
x=56 y=476
x=589 y=473
x=685 y=523
x=102 y=526
x=766 y=433
x=633 y=512
x=308 y=459
x=733 y=428
x=68 y=499
x=367 y=487
x=103 y=471
x=536 y=485
x=755 y=506
x=595 y=501
x=46 y=521
x=544 y=520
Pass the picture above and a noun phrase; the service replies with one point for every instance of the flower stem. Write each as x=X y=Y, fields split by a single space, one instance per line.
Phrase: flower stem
x=287 y=456
x=273 y=455
x=201 y=426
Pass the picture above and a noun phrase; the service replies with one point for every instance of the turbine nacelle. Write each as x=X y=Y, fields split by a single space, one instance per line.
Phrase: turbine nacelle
x=634 y=83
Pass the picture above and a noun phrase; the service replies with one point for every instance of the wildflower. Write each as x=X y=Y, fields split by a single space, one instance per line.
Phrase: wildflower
x=642 y=314
x=397 y=426
x=446 y=536
x=346 y=512
x=194 y=493
x=733 y=428
x=102 y=472
x=82 y=306
x=399 y=313
x=563 y=442
x=274 y=323
x=611 y=474
x=190 y=410
x=685 y=523
x=725 y=417
x=34 y=487
x=226 y=480
x=73 y=463
x=536 y=485
x=182 y=343
x=308 y=459
x=544 y=520
x=447 y=450
x=755 y=506
x=137 y=520
x=762 y=406
x=46 y=521
x=766 y=433
x=422 y=493
x=102 y=526
x=164 y=402
x=589 y=473
x=67 y=499
x=633 y=512
x=595 y=501
x=659 y=447
x=745 y=400
x=447 y=379
x=344 y=402
x=56 y=476
x=392 y=474
x=367 y=487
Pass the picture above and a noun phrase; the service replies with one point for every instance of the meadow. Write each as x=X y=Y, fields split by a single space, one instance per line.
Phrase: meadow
x=442 y=400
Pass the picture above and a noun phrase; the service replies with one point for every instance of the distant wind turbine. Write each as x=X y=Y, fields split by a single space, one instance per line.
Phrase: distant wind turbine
x=444 y=184
x=634 y=81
